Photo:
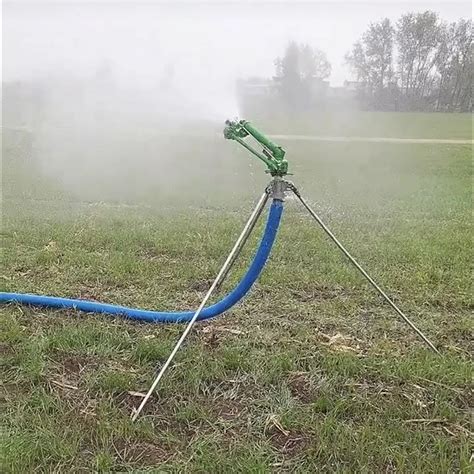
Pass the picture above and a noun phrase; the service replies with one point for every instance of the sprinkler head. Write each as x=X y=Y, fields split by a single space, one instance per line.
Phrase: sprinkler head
x=272 y=154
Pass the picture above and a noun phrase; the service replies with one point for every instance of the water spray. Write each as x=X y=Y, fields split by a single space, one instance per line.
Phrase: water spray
x=273 y=156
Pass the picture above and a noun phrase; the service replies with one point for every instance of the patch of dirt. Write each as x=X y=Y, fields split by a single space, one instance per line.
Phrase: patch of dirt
x=213 y=334
x=11 y=391
x=129 y=402
x=201 y=286
x=73 y=365
x=210 y=338
x=157 y=406
x=6 y=349
x=291 y=444
x=243 y=388
x=90 y=295
x=465 y=399
x=162 y=409
x=229 y=410
x=77 y=364
x=147 y=454
x=300 y=387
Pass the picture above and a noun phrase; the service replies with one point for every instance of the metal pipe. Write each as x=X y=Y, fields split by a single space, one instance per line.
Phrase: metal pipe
x=266 y=160
x=361 y=270
x=224 y=268
x=276 y=150
x=252 y=221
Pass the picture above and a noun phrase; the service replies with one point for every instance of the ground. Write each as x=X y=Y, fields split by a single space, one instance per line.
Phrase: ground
x=313 y=372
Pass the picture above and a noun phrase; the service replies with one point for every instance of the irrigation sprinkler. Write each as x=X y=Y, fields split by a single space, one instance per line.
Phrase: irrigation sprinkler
x=273 y=156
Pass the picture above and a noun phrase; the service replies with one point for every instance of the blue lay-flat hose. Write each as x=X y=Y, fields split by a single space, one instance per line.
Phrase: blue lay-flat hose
x=224 y=304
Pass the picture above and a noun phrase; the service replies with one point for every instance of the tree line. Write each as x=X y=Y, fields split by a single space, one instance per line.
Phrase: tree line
x=418 y=63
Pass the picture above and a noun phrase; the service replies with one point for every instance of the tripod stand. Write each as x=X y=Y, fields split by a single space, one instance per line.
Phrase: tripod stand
x=277 y=190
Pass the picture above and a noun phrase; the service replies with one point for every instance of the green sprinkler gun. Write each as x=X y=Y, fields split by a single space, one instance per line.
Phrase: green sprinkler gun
x=272 y=154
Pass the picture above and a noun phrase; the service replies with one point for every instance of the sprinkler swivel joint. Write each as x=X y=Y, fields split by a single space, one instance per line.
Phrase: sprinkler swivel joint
x=272 y=154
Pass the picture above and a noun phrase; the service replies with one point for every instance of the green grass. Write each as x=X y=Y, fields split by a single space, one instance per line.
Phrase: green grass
x=311 y=373
x=377 y=124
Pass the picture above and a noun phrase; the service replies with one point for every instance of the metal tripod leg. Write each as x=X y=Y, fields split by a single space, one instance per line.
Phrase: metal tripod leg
x=361 y=270
x=252 y=221
x=233 y=254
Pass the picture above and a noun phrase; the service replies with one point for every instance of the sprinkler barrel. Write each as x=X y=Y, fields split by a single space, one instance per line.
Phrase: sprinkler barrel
x=272 y=154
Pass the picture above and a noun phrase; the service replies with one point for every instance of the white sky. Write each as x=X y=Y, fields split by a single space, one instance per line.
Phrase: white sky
x=211 y=42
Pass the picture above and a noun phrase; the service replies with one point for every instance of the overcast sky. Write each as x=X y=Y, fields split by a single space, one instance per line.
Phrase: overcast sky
x=211 y=42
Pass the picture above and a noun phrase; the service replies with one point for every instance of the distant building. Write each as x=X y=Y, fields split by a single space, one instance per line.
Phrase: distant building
x=256 y=95
x=318 y=88
x=257 y=86
x=355 y=86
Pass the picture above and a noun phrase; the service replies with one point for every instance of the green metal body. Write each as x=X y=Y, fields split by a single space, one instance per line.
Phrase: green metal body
x=272 y=154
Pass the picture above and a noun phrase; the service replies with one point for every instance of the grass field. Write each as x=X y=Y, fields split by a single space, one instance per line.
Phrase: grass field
x=379 y=124
x=311 y=373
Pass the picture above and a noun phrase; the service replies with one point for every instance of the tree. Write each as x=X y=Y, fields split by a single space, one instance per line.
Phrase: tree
x=462 y=65
x=419 y=40
x=300 y=65
x=420 y=64
x=371 y=60
x=291 y=85
x=313 y=63
x=454 y=65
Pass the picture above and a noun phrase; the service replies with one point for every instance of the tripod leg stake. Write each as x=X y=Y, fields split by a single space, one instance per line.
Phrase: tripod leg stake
x=361 y=270
x=224 y=270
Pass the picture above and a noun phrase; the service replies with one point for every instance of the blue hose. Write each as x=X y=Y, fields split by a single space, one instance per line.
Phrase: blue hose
x=227 y=302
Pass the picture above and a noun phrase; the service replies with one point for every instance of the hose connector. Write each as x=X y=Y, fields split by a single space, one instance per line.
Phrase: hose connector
x=277 y=188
